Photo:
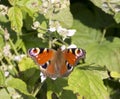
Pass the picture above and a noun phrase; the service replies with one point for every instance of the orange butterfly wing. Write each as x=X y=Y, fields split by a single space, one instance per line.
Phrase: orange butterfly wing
x=70 y=56
x=43 y=57
x=40 y=55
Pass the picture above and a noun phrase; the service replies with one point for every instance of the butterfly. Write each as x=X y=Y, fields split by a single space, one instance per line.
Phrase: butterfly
x=56 y=63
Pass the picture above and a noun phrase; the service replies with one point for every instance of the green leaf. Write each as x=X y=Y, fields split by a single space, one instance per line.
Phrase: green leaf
x=12 y=2
x=4 y=94
x=3 y=18
x=29 y=71
x=88 y=28
x=68 y=94
x=28 y=22
x=33 y=5
x=117 y=17
x=55 y=86
x=85 y=35
x=98 y=3
x=2 y=43
x=89 y=37
x=33 y=41
x=2 y=79
x=104 y=54
x=65 y=17
x=109 y=6
x=91 y=18
x=114 y=74
x=19 y=44
x=15 y=16
x=29 y=6
x=87 y=84
x=43 y=23
x=26 y=63
x=17 y=84
x=17 y=94
x=113 y=87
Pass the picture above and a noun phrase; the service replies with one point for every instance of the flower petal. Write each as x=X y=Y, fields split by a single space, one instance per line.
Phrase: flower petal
x=71 y=32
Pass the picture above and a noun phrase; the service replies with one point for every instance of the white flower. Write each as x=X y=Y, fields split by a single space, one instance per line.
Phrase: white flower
x=16 y=95
x=63 y=47
x=52 y=29
x=54 y=78
x=3 y=9
x=71 y=32
x=53 y=25
x=6 y=73
x=40 y=35
x=43 y=77
x=45 y=3
x=72 y=46
x=4 y=67
x=65 y=32
x=45 y=6
x=54 y=1
x=10 y=67
x=6 y=34
x=36 y=24
x=19 y=57
x=6 y=51
x=60 y=30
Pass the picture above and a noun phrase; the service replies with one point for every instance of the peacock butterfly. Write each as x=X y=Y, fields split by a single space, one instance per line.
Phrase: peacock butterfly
x=56 y=63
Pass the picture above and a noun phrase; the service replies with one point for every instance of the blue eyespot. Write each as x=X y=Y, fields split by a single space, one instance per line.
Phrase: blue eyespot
x=44 y=65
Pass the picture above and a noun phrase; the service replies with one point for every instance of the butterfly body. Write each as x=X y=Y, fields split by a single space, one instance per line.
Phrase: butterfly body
x=58 y=63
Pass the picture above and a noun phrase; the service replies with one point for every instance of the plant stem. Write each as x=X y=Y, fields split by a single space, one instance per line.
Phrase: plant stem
x=58 y=43
x=11 y=43
x=50 y=43
x=103 y=35
x=109 y=5
x=37 y=89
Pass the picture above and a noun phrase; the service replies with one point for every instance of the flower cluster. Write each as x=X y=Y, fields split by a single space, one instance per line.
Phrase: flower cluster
x=6 y=34
x=49 y=9
x=3 y=9
x=6 y=51
x=111 y=6
x=55 y=26
x=7 y=56
x=54 y=4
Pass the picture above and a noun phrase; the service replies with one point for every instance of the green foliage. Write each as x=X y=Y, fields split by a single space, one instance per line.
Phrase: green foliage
x=15 y=16
x=2 y=78
x=17 y=83
x=65 y=17
x=91 y=84
x=50 y=24
x=4 y=94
